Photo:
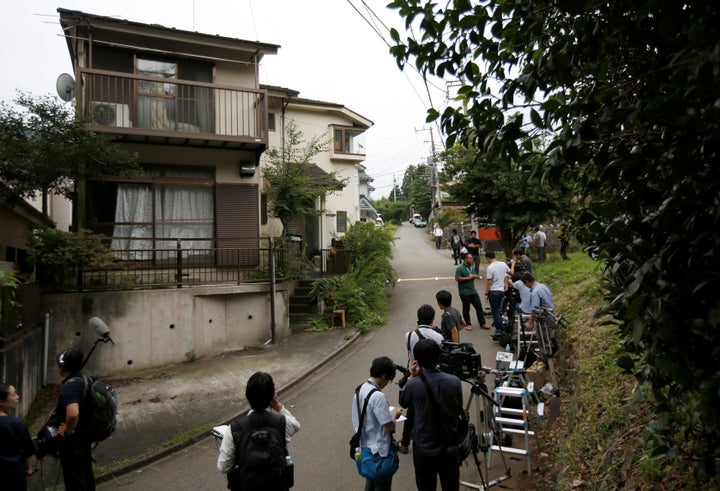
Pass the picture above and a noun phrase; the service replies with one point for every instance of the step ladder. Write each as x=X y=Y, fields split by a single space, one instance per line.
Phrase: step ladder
x=511 y=419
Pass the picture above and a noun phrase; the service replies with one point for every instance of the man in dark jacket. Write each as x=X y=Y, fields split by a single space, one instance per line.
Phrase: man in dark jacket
x=75 y=449
x=432 y=423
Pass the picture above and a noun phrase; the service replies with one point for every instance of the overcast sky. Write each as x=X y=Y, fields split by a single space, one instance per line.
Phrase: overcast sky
x=328 y=52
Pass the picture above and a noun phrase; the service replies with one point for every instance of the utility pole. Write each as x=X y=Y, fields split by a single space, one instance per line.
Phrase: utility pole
x=394 y=187
x=431 y=161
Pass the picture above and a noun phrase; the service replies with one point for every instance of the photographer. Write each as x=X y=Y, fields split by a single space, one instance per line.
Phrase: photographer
x=75 y=451
x=266 y=416
x=429 y=432
x=425 y=319
x=540 y=297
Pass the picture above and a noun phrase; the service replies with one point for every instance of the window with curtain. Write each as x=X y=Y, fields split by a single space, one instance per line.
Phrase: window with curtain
x=173 y=204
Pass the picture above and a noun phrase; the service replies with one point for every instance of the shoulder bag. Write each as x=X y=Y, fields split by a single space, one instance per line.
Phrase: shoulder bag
x=371 y=466
x=461 y=443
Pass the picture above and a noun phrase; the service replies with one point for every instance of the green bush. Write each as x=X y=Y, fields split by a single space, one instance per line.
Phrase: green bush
x=362 y=292
x=60 y=254
x=452 y=215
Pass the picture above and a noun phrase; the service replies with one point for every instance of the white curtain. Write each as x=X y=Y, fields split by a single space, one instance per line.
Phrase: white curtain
x=134 y=205
x=185 y=212
x=180 y=212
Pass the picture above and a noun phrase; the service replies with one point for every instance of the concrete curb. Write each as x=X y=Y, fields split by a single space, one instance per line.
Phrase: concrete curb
x=144 y=460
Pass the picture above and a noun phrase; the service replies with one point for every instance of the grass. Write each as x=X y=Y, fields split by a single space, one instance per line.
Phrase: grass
x=597 y=441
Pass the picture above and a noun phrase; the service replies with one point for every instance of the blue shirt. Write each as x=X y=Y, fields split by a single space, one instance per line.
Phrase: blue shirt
x=541 y=296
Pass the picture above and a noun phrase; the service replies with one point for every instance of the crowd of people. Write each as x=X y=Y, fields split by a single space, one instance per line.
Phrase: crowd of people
x=254 y=453
x=428 y=425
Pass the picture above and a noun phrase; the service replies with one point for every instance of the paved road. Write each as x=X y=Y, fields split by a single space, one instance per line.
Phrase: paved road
x=322 y=402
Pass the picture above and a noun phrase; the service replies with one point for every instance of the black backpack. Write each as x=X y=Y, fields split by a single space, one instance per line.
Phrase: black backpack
x=260 y=451
x=98 y=410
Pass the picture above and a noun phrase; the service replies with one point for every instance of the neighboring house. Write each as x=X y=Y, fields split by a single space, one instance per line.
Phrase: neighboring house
x=343 y=129
x=368 y=212
x=18 y=220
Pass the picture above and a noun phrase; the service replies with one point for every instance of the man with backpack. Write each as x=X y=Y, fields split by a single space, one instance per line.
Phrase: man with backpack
x=75 y=448
x=254 y=448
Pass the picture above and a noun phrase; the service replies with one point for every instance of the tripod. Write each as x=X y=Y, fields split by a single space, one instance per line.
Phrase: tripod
x=487 y=431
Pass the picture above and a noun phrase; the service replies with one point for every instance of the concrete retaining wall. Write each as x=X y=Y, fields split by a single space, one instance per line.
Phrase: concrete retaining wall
x=152 y=328
x=20 y=366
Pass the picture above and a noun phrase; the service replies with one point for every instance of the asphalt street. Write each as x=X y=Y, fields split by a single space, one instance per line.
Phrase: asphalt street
x=321 y=400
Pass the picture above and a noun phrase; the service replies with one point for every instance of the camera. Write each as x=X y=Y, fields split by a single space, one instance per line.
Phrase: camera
x=512 y=296
x=460 y=359
x=47 y=441
x=406 y=373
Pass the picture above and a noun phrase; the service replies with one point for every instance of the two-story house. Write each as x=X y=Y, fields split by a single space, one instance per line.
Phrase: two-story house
x=192 y=108
x=342 y=129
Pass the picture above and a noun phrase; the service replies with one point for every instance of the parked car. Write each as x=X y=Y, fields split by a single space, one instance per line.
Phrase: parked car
x=416 y=216
x=420 y=222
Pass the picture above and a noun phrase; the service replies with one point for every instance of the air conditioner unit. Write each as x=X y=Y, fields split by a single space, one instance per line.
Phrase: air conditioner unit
x=110 y=114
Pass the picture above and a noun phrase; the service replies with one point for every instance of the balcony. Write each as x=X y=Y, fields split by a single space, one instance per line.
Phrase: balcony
x=165 y=111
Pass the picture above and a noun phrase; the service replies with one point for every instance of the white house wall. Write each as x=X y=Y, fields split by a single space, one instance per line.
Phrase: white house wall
x=317 y=122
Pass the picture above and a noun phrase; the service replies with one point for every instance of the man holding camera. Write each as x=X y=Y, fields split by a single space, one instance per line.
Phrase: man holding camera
x=432 y=424
x=75 y=450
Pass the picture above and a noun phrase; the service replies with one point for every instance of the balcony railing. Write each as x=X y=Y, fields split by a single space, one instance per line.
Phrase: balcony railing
x=148 y=106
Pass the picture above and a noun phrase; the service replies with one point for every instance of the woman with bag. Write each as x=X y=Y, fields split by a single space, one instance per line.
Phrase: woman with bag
x=375 y=455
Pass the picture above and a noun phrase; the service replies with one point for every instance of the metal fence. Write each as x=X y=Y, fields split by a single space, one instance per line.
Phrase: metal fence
x=182 y=266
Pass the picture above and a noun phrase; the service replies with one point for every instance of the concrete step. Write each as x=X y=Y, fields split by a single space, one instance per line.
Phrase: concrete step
x=303 y=309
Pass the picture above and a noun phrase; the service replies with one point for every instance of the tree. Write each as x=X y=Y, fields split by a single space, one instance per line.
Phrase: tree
x=294 y=190
x=416 y=186
x=45 y=149
x=508 y=195
x=393 y=211
x=627 y=94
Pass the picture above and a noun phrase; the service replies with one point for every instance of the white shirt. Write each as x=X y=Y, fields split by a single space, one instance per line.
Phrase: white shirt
x=496 y=273
x=540 y=237
x=226 y=459
x=438 y=232
x=427 y=332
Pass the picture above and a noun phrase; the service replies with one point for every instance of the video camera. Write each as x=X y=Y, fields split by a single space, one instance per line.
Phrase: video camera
x=47 y=441
x=406 y=374
x=460 y=359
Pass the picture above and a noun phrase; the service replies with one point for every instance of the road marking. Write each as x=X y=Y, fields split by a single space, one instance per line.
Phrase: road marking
x=432 y=278
x=436 y=278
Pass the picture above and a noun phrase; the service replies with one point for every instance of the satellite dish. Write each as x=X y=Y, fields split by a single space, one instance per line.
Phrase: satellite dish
x=65 y=87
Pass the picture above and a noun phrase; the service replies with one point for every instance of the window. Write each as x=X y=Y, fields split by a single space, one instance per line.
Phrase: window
x=175 y=106
x=154 y=210
x=271 y=121
x=341 y=218
x=348 y=140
